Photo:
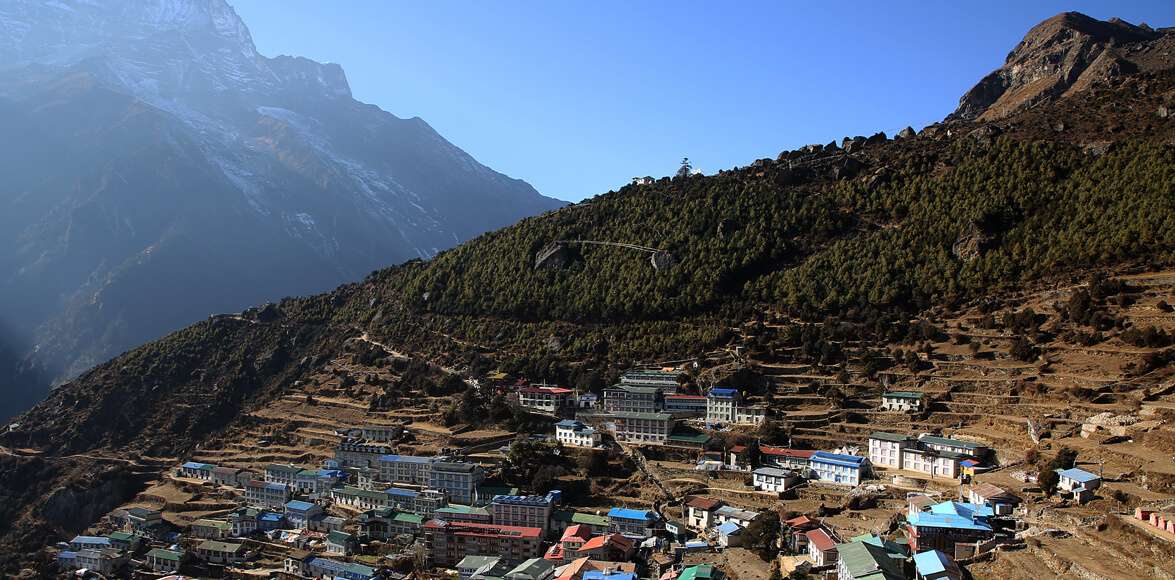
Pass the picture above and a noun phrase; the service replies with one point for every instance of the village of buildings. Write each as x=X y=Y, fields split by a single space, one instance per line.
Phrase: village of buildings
x=370 y=511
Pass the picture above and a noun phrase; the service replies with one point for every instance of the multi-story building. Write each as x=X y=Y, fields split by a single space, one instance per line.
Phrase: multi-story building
x=750 y=414
x=839 y=468
x=799 y=460
x=164 y=561
x=364 y=499
x=643 y=427
x=464 y=513
x=932 y=462
x=775 y=480
x=407 y=469
x=447 y=543
x=318 y=481
x=667 y=381
x=634 y=523
x=700 y=512
x=885 y=449
x=904 y=452
x=552 y=400
x=104 y=561
x=285 y=474
x=243 y=521
x=196 y=470
x=317 y=567
x=458 y=480
x=902 y=401
x=217 y=552
x=266 y=495
x=210 y=529
x=728 y=513
x=381 y=433
x=143 y=520
x=685 y=405
x=629 y=399
x=575 y=434
x=226 y=476
x=299 y=513
x=721 y=404
x=423 y=503
x=527 y=511
x=359 y=453
x=944 y=525
x=969 y=448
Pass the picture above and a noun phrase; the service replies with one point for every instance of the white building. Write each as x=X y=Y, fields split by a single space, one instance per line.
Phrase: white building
x=576 y=434
x=549 y=399
x=458 y=480
x=643 y=427
x=905 y=401
x=721 y=404
x=839 y=468
x=775 y=480
x=885 y=449
x=1078 y=483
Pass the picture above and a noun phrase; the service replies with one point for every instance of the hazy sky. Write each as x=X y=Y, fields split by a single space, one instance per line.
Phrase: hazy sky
x=579 y=97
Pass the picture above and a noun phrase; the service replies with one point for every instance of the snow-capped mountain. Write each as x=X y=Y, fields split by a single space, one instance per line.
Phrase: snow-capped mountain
x=158 y=169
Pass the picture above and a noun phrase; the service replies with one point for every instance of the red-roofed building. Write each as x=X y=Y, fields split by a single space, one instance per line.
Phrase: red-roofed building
x=783 y=457
x=550 y=399
x=794 y=540
x=685 y=405
x=569 y=544
x=699 y=512
x=821 y=547
x=739 y=458
x=446 y=543
x=577 y=568
x=611 y=547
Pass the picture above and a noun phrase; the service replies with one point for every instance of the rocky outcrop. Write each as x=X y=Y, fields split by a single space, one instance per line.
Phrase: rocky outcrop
x=1065 y=54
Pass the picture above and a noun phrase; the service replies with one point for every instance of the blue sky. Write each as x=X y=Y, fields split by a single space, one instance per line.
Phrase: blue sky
x=579 y=97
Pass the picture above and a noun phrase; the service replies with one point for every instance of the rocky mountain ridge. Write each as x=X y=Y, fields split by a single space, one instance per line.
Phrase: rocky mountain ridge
x=166 y=171
x=1062 y=56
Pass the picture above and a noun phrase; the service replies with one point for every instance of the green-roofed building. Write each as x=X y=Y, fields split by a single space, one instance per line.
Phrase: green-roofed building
x=701 y=572
x=124 y=540
x=870 y=558
x=561 y=519
x=164 y=561
x=464 y=513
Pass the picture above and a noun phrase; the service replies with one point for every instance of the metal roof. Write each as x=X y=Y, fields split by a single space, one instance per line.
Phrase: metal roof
x=1078 y=475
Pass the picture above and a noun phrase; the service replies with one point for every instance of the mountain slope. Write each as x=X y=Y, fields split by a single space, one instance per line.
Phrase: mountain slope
x=872 y=229
x=165 y=171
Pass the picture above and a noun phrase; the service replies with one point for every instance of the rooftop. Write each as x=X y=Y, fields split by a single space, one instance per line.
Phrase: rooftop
x=1078 y=475
x=935 y=562
x=903 y=395
x=894 y=437
x=649 y=416
x=632 y=514
x=298 y=505
x=820 y=539
x=786 y=452
x=868 y=560
x=838 y=459
x=775 y=472
x=936 y=440
x=723 y=393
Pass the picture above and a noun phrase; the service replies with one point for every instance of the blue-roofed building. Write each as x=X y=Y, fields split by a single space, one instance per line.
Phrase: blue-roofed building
x=839 y=468
x=1078 y=483
x=935 y=565
x=608 y=575
x=722 y=405
x=196 y=470
x=729 y=534
x=266 y=495
x=943 y=526
x=299 y=513
x=634 y=523
x=527 y=511
x=317 y=567
x=270 y=521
